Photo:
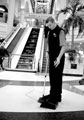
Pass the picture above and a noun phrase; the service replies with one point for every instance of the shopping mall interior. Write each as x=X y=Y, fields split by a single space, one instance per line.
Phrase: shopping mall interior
x=25 y=77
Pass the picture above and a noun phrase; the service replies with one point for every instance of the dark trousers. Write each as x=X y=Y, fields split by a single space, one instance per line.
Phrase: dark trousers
x=55 y=75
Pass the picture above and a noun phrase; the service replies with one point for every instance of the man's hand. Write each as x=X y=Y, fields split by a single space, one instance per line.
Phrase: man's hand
x=57 y=62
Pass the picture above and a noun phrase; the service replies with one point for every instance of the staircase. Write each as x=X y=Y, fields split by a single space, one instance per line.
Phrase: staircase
x=26 y=59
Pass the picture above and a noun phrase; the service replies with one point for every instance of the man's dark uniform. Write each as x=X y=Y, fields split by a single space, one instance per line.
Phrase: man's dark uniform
x=55 y=73
x=55 y=44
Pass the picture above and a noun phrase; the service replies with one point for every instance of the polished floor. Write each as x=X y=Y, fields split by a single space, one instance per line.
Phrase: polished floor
x=20 y=91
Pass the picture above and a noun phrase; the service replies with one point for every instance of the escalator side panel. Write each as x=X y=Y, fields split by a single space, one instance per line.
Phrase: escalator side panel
x=14 y=42
x=26 y=59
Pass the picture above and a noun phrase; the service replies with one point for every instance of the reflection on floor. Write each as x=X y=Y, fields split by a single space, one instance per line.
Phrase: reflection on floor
x=19 y=92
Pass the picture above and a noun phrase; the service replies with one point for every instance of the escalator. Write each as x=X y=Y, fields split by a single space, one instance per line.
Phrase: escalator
x=26 y=59
x=14 y=42
x=11 y=46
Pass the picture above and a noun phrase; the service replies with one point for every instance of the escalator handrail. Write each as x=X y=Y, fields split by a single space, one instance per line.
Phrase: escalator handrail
x=7 y=38
x=11 y=36
x=41 y=53
x=38 y=50
x=22 y=41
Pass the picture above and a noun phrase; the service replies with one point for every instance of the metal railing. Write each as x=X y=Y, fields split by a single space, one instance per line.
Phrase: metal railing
x=10 y=34
x=21 y=62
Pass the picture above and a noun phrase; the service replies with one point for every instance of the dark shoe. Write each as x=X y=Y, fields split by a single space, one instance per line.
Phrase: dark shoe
x=49 y=105
x=46 y=97
x=43 y=99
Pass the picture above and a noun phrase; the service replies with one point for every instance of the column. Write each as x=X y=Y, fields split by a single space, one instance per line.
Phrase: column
x=11 y=10
x=22 y=13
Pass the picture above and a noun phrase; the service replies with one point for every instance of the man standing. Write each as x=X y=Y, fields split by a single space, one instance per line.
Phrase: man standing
x=56 y=50
x=3 y=53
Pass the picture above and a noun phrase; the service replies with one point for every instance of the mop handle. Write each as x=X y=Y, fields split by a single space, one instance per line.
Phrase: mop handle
x=46 y=67
x=45 y=74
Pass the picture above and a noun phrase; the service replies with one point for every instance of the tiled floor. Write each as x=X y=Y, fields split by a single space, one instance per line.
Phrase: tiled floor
x=19 y=92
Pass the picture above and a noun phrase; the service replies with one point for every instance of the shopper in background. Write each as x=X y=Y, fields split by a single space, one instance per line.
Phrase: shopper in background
x=3 y=53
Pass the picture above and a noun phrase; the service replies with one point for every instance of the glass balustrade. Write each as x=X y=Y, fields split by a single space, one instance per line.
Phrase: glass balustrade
x=19 y=62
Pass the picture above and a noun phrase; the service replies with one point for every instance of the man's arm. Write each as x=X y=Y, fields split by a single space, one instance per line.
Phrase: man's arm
x=63 y=48
x=46 y=31
x=62 y=43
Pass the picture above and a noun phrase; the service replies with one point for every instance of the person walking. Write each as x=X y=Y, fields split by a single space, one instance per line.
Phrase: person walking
x=56 y=50
x=3 y=53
